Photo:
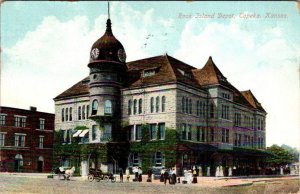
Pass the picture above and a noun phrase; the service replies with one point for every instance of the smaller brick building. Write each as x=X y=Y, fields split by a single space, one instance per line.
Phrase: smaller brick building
x=26 y=140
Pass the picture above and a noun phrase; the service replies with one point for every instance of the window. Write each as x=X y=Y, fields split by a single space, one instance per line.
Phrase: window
x=252 y=142
x=187 y=105
x=140 y=106
x=129 y=107
x=226 y=96
x=211 y=110
x=83 y=112
x=163 y=104
x=157 y=104
x=225 y=112
x=152 y=131
x=134 y=159
x=158 y=159
x=87 y=111
x=212 y=134
x=42 y=123
x=152 y=105
x=138 y=132
x=132 y=133
x=161 y=131
x=134 y=106
x=41 y=141
x=107 y=133
x=94 y=107
x=148 y=73
x=68 y=136
x=107 y=107
x=202 y=134
x=198 y=108
x=183 y=131
x=67 y=114
x=94 y=132
x=70 y=118
x=20 y=140
x=183 y=105
x=79 y=113
x=225 y=135
x=190 y=106
x=239 y=139
x=189 y=131
x=201 y=108
x=63 y=115
x=198 y=135
x=237 y=119
x=2 y=119
x=20 y=121
x=2 y=139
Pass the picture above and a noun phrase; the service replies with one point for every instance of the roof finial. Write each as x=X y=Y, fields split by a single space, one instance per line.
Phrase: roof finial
x=108 y=10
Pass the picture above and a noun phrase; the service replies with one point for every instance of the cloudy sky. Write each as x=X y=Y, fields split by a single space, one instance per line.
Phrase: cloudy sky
x=45 y=48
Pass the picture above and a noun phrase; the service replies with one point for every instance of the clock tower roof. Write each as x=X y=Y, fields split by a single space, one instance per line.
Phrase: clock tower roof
x=107 y=48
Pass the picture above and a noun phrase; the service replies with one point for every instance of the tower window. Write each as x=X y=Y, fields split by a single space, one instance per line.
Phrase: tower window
x=63 y=115
x=129 y=107
x=94 y=107
x=70 y=118
x=163 y=104
x=134 y=107
x=83 y=112
x=79 y=113
x=67 y=114
x=152 y=104
x=140 y=106
x=107 y=107
x=157 y=104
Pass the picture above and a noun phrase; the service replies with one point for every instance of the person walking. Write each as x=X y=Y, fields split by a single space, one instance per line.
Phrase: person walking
x=127 y=174
x=166 y=177
x=140 y=172
x=121 y=175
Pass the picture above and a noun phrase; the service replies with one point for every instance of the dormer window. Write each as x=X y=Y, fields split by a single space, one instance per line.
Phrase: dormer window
x=149 y=72
x=184 y=73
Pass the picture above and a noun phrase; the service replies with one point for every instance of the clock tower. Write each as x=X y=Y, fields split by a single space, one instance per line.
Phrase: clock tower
x=107 y=69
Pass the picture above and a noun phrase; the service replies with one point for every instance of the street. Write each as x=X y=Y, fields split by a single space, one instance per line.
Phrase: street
x=18 y=184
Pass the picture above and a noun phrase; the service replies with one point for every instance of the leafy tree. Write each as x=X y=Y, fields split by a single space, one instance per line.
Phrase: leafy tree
x=292 y=151
x=279 y=156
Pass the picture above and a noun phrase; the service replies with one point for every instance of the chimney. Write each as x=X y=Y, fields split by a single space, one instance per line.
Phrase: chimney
x=33 y=108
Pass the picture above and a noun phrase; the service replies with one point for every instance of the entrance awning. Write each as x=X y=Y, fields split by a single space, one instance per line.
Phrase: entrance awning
x=77 y=133
x=84 y=133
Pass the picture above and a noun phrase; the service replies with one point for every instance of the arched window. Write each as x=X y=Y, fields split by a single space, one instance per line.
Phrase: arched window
x=79 y=113
x=83 y=112
x=140 y=106
x=152 y=105
x=163 y=104
x=129 y=107
x=186 y=105
x=70 y=119
x=134 y=106
x=94 y=107
x=183 y=104
x=67 y=114
x=157 y=104
x=107 y=107
x=190 y=106
x=63 y=115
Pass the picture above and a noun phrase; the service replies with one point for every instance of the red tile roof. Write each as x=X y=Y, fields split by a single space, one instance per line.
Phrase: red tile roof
x=170 y=70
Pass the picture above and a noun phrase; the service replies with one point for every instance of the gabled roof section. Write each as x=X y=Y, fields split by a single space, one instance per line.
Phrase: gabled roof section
x=168 y=69
x=79 y=89
x=252 y=100
x=210 y=74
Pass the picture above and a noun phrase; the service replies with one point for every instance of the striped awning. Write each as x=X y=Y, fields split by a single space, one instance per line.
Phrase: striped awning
x=77 y=133
x=84 y=133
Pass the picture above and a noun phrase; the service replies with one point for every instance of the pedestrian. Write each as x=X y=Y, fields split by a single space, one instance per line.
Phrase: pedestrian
x=166 y=177
x=127 y=174
x=136 y=173
x=121 y=175
x=140 y=172
x=162 y=174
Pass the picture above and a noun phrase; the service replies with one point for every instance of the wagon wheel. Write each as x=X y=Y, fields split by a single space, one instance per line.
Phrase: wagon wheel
x=105 y=178
x=91 y=177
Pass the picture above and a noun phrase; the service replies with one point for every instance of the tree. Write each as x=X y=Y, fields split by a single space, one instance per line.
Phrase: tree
x=279 y=156
x=292 y=151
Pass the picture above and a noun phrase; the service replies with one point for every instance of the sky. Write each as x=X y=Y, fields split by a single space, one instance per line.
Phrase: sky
x=45 y=48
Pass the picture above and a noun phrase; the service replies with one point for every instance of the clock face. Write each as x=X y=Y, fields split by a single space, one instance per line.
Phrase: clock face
x=95 y=53
x=121 y=55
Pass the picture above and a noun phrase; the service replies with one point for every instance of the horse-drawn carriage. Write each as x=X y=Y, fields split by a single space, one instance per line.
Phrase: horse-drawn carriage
x=99 y=175
x=64 y=174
